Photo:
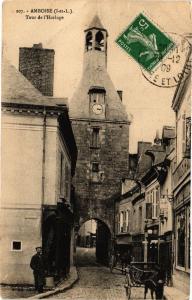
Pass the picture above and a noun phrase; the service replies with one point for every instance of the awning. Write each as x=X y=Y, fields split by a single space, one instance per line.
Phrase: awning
x=124 y=240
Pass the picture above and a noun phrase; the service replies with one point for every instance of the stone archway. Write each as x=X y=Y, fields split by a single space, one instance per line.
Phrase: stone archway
x=97 y=218
x=102 y=239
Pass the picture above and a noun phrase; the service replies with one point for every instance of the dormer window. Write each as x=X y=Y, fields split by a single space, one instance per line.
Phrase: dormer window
x=97 y=101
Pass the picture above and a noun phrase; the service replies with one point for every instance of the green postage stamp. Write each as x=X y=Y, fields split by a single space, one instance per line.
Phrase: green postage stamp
x=145 y=42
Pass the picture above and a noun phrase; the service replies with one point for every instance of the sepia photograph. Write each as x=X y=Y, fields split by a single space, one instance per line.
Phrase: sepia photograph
x=95 y=149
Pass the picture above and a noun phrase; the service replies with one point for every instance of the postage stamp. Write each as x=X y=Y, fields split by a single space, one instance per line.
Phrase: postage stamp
x=145 y=43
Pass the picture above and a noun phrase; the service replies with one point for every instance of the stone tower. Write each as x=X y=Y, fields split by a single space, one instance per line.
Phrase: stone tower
x=101 y=129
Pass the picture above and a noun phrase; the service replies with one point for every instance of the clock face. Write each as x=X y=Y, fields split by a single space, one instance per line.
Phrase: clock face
x=97 y=109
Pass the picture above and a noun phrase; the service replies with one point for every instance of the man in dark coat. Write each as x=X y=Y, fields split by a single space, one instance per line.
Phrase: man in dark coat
x=37 y=266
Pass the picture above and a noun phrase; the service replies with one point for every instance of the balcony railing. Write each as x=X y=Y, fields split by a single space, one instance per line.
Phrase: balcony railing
x=181 y=171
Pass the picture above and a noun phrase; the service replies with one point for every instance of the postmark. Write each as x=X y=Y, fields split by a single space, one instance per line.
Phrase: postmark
x=175 y=67
x=145 y=42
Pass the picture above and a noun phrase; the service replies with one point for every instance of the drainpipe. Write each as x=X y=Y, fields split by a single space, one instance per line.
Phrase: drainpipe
x=43 y=168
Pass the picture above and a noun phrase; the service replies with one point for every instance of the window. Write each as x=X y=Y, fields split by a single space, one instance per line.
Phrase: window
x=188 y=138
x=16 y=246
x=61 y=174
x=95 y=167
x=128 y=216
x=140 y=218
x=154 y=203
x=121 y=221
x=183 y=134
x=181 y=239
x=67 y=181
x=188 y=236
x=124 y=221
x=97 y=175
x=118 y=223
x=148 y=211
x=95 y=138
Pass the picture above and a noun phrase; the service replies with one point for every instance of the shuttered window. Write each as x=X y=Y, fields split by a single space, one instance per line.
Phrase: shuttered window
x=95 y=138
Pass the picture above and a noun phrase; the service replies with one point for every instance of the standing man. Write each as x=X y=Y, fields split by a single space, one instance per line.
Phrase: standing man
x=37 y=266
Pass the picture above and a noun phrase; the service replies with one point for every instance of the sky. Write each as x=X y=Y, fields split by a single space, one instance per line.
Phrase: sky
x=149 y=105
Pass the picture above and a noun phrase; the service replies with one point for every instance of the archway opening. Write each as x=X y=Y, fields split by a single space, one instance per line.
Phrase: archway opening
x=93 y=243
x=89 y=41
x=99 y=41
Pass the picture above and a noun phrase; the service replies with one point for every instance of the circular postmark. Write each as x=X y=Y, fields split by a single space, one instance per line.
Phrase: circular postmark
x=174 y=68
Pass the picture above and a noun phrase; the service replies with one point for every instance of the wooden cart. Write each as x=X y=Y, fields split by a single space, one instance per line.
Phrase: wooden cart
x=136 y=274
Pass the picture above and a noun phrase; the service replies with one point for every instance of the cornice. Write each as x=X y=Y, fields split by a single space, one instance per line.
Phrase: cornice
x=100 y=121
x=32 y=109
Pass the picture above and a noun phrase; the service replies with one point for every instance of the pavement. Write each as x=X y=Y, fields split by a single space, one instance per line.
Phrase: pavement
x=172 y=293
x=96 y=282
x=62 y=287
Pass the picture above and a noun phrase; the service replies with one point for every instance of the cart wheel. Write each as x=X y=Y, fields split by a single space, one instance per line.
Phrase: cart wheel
x=111 y=264
x=128 y=286
x=129 y=293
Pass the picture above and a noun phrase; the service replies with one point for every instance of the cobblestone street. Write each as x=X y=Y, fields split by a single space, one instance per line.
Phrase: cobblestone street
x=96 y=282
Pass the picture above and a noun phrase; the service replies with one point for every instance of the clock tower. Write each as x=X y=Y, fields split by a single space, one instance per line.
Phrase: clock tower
x=101 y=128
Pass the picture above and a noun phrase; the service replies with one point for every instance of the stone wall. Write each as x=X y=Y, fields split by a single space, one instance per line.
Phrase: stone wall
x=112 y=156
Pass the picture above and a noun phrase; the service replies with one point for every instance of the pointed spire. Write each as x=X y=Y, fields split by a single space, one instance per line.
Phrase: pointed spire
x=96 y=24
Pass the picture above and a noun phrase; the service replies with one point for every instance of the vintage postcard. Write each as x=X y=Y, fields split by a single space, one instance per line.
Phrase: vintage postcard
x=96 y=149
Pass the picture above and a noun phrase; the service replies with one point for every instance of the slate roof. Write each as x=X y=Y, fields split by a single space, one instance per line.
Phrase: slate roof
x=144 y=161
x=157 y=153
x=96 y=23
x=16 y=88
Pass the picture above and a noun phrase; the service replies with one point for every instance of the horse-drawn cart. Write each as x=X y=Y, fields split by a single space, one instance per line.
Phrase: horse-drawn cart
x=137 y=274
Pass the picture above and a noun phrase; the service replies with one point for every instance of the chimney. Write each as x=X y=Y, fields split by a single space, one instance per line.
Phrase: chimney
x=143 y=146
x=37 y=65
x=120 y=93
x=157 y=139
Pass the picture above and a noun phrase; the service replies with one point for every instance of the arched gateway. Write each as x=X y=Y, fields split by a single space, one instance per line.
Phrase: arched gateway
x=101 y=128
x=99 y=236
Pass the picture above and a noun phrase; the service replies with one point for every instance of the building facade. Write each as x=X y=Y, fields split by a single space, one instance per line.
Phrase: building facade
x=131 y=207
x=148 y=198
x=181 y=185
x=38 y=162
x=101 y=129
